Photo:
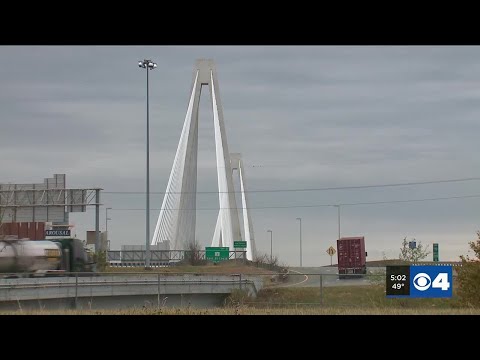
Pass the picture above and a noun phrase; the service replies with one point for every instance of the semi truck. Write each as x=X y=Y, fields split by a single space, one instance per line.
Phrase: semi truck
x=43 y=257
x=352 y=257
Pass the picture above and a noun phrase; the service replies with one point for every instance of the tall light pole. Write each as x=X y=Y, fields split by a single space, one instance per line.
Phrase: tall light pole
x=106 y=225
x=300 y=240
x=338 y=207
x=271 y=246
x=148 y=65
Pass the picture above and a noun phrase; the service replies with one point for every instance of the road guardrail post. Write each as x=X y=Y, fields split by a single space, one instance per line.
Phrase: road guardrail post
x=158 y=292
x=321 y=290
x=76 y=291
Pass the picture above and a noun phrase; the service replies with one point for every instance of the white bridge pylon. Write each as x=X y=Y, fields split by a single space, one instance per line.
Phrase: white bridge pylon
x=177 y=219
x=236 y=163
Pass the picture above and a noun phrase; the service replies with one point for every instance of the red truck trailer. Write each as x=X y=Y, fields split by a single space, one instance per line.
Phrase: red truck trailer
x=352 y=258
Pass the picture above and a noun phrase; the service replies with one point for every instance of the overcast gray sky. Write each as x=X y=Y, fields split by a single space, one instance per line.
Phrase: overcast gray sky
x=302 y=117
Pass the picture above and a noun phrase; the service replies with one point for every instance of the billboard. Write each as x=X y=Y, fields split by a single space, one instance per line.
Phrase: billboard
x=49 y=201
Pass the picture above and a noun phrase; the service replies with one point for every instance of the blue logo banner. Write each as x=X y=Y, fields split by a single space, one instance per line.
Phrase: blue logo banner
x=431 y=281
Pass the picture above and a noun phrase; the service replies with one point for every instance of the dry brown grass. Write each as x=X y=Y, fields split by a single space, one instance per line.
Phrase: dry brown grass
x=242 y=310
x=367 y=296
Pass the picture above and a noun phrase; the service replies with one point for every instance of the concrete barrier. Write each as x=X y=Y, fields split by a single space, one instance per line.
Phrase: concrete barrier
x=123 y=290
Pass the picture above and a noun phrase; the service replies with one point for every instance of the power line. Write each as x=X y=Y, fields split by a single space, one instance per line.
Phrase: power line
x=320 y=205
x=305 y=189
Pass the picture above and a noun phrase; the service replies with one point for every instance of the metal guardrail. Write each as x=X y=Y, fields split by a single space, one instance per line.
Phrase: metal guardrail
x=437 y=263
x=161 y=257
x=105 y=283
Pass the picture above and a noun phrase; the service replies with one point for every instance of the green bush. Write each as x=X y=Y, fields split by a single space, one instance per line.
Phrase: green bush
x=468 y=277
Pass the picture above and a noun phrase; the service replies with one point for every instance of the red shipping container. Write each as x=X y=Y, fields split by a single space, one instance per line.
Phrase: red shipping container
x=13 y=229
x=352 y=258
x=40 y=231
x=30 y=230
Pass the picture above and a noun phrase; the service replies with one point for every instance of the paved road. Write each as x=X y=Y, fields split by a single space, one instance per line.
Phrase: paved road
x=310 y=277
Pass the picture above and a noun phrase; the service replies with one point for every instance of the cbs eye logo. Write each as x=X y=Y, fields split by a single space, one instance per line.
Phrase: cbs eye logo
x=422 y=281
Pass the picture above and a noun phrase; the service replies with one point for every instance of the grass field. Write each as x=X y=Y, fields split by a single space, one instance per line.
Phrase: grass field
x=369 y=296
x=244 y=310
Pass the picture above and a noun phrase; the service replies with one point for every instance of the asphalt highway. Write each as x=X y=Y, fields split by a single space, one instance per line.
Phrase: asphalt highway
x=310 y=277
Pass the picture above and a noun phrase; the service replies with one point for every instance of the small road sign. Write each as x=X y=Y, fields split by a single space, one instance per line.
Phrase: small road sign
x=435 y=252
x=331 y=251
x=239 y=244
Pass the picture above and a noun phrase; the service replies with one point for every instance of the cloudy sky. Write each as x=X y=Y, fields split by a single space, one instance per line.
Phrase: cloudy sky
x=302 y=117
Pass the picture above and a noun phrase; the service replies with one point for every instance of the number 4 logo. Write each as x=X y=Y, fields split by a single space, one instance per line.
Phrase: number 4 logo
x=441 y=281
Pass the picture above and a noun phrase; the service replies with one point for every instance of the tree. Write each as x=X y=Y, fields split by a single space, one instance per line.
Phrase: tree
x=468 y=276
x=100 y=260
x=192 y=252
x=413 y=254
x=265 y=261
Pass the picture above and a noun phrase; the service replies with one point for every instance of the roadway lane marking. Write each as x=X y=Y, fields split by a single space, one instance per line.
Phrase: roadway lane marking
x=301 y=282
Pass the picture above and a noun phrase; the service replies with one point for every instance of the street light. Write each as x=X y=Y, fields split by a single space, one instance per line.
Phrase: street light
x=148 y=65
x=271 y=246
x=106 y=224
x=300 y=240
x=338 y=207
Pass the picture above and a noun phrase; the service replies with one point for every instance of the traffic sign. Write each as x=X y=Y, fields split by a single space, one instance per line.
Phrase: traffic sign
x=331 y=251
x=435 y=252
x=216 y=254
x=239 y=244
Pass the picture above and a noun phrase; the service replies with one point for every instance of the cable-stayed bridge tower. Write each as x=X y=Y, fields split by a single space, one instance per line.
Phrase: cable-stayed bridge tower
x=177 y=219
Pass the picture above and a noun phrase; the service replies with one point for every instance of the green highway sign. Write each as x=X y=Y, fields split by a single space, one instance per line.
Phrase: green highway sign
x=435 y=252
x=239 y=244
x=216 y=254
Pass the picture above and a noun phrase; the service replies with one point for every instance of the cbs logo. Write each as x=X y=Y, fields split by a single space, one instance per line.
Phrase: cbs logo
x=422 y=281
